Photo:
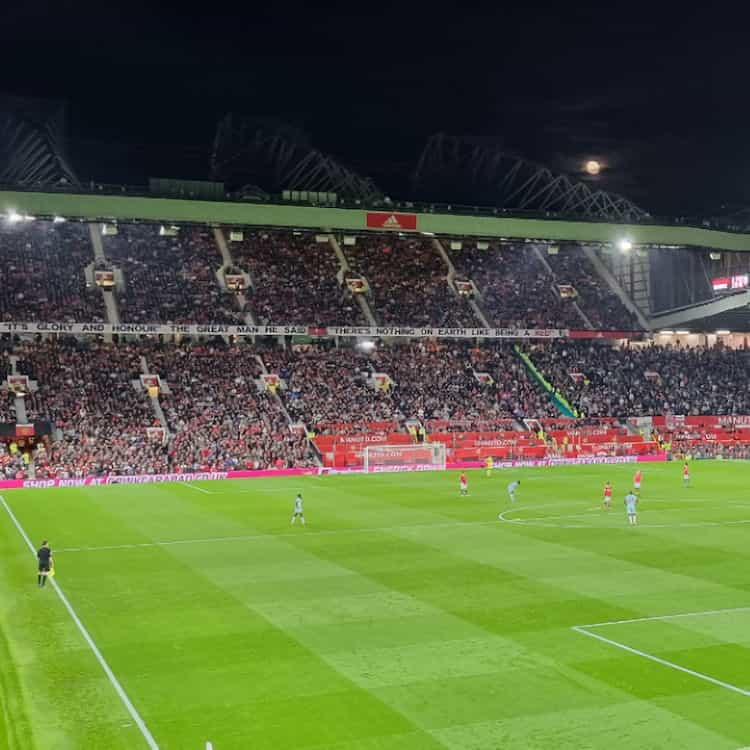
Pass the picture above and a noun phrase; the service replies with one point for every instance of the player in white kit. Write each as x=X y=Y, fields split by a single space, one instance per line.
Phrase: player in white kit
x=631 y=507
x=512 y=490
x=298 y=512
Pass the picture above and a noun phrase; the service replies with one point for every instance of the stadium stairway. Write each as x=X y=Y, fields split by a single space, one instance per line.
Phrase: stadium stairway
x=540 y=255
x=111 y=307
x=228 y=262
x=344 y=266
x=312 y=448
x=557 y=398
x=155 y=403
x=473 y=303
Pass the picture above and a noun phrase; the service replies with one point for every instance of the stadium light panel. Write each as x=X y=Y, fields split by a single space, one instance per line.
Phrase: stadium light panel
x=715 y=256
x=14 y=217
x=666 y=333
x=29 y=217
x=682 y=333
x=366 y=346
x=58 y=219
x=723 y=332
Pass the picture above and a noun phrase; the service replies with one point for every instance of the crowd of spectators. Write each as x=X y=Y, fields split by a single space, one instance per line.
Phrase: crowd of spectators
x=595 y=298
x=601 y=380
x=7 y=412
x=331 y=386
x=516 y=289
x=87 y=390
x=42 y=273
x=221 y=415
x=408 y=283
x=444 y=382
x=427 y=382
x=295 y=280
x=219 y=418
x=170 y=279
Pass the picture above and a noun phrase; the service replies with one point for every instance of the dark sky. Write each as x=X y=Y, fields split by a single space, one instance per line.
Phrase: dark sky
x=659 y=95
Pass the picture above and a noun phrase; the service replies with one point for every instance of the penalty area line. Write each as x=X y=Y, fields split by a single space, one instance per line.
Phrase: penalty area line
x=663 y=662
x=657 y=618
x=131 y=709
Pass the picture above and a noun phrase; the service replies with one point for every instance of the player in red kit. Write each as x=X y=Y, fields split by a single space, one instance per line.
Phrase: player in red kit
x=607 y=502
x=637 y=480
x=463 y=485
x=686 y=474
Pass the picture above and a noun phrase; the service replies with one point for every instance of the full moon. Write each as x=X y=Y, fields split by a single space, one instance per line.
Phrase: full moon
x=592 y=167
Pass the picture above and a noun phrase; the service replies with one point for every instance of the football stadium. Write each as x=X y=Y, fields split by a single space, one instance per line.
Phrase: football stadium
x=300 y=466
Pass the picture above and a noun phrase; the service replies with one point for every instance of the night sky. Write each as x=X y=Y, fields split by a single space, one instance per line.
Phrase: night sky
x=660 y=96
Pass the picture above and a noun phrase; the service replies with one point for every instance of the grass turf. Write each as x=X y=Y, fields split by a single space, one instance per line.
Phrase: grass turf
x=402 y=617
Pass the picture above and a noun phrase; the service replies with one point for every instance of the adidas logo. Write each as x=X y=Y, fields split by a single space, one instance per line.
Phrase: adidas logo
x=392 y=222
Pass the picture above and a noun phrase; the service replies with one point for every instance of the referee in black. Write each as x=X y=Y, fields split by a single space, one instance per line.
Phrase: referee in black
x=44 y=555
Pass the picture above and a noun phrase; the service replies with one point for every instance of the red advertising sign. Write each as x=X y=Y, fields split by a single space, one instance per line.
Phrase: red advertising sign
x=399 y=222
x=25 y=430
x=730 y=283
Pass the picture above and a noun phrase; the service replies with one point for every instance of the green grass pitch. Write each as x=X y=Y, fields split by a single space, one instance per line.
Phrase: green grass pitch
x=402 y=617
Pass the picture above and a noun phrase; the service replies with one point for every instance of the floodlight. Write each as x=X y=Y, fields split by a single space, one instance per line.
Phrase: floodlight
x=625 y=245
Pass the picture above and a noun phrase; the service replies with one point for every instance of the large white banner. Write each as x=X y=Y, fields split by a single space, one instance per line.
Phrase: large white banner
x=167 y=329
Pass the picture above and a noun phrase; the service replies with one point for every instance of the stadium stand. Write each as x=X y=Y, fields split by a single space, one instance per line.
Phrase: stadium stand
x=42 y=273
x=86 y=389
x=170 y=279
x=597 y=301
x=407 y=280
x=515 y=287
x=648 y=380
x=220 y=417
x=294 y=280
x=339 y=387
x=332 y=389
x=439 y=382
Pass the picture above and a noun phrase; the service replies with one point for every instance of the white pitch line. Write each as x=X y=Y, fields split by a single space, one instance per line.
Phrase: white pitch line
x=531 y=522
x=199 y=489
x=664 y=662
x=271 y=536
x=666 y=617
x=131 y=709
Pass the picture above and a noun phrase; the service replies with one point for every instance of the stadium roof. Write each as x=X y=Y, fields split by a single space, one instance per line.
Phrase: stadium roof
x=471 y=170
x=32 y=143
